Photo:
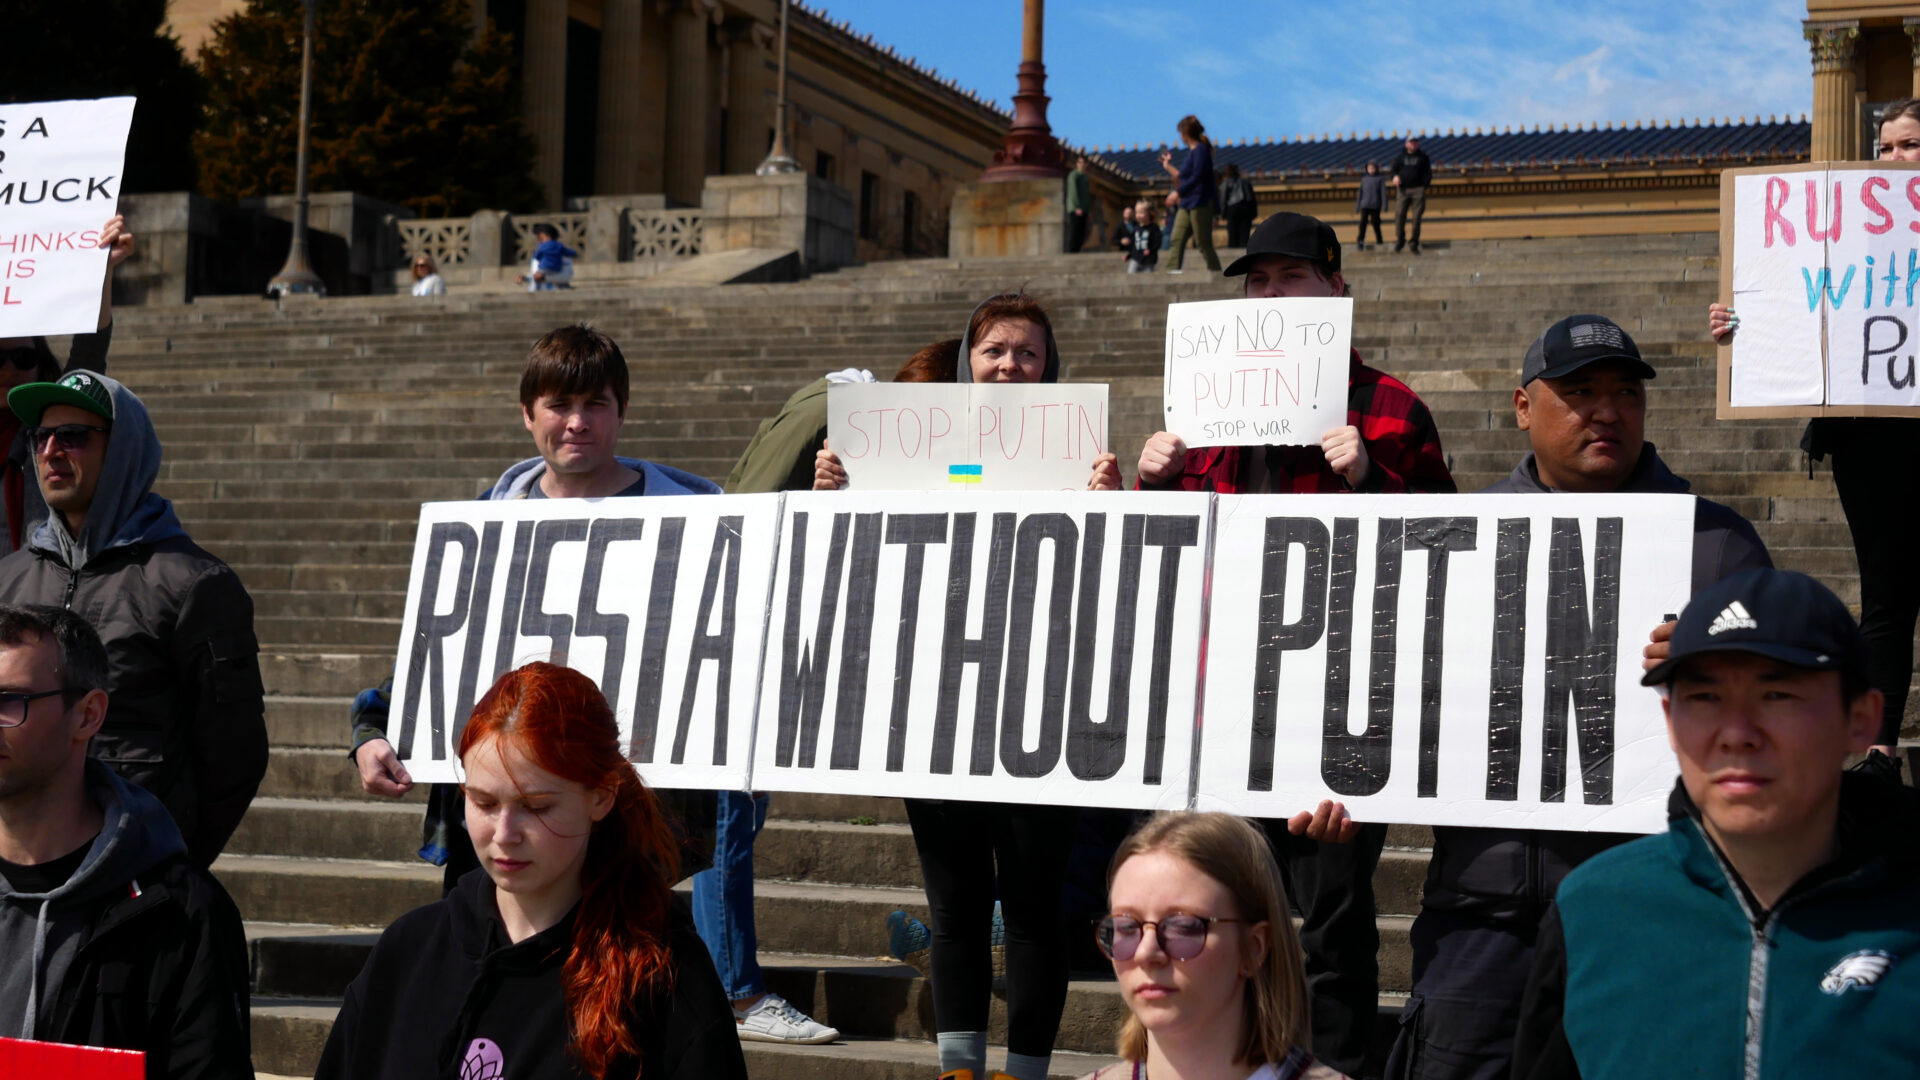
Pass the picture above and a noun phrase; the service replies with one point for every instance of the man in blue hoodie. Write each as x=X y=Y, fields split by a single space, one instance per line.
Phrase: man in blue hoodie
x=111 y=936
x=189 y=717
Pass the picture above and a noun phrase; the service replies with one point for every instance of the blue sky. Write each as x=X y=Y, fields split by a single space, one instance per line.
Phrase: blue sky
x=1123 y=72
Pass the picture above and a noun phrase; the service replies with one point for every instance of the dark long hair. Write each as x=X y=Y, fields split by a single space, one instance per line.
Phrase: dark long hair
x=559 y=719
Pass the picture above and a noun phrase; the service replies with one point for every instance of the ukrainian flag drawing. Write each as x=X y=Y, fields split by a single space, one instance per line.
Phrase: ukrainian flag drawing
x=963 y=474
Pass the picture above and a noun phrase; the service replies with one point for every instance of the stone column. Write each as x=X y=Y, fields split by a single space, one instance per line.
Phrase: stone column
x=686 y=164
x=748 y=113
x=616 y=170
x=1030 y=151
x=1834 y=83
x=545 y=93
x=1912 y=27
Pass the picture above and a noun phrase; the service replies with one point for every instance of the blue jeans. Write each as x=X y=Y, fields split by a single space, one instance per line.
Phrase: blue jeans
x=723 y=896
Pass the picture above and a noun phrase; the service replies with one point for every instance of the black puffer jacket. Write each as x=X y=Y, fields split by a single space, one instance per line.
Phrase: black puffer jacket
x=1509 y=875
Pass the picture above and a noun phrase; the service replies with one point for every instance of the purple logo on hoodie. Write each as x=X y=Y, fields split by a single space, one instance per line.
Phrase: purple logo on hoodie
x=484 y=1061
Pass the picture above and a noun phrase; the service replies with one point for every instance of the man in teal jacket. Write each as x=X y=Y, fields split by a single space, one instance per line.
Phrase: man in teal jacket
x=1774 y=930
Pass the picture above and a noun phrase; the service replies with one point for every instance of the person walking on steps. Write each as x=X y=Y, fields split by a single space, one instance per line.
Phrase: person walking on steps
x=1369 y=202
x=1196 y=194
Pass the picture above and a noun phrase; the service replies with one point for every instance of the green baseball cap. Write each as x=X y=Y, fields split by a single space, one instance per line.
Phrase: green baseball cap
x=81 y=389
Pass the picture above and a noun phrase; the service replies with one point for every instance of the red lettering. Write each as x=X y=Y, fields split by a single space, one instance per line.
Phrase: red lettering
x=1777 y=186
x=1873 y=205
x=987 y=420
x=6 y=296
x=1813 y=213
x=1913 y=200
x=934 y=436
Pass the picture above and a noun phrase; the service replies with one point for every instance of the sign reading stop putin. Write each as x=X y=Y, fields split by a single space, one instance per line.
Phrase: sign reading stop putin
x=60 y=170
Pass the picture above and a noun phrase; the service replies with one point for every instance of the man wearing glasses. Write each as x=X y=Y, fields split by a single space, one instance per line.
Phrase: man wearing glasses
x=112 y=937
x=188 y=720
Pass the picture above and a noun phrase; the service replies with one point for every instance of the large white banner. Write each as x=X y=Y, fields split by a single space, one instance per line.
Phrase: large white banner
x=1253 y=372
x=1822 y=263
x=1443 y=659
x=662 y=601
x=985 y=436
x=60 y=165
x=1036 y=648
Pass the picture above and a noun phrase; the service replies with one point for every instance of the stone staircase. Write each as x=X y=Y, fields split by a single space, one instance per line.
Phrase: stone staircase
x=300 y=440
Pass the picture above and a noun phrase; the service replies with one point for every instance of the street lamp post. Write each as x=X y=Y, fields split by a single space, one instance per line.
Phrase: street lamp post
x=1030 y=151
x=779 y=160
x=297 y=275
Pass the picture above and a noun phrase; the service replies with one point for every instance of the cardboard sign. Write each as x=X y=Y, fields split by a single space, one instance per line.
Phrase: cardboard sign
x=662 y=601
x=1822 y=263
x=967 y=436
x=58 y=1061
x=1020 y=648
x=1257 y=372
x=1443 y=659
x=60 y=165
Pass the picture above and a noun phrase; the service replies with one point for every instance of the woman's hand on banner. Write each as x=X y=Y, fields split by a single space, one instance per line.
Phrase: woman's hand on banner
x=1722 y=321
x=828 y=474
x=1329 y=822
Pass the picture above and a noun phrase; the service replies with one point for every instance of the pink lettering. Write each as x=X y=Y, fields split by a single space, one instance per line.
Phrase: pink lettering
x=1832 y=231
x=1873 y=205
x=1777 y=186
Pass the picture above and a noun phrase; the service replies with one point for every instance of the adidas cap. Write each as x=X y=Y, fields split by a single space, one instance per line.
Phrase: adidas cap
x=1776 y=613
x=82 y=389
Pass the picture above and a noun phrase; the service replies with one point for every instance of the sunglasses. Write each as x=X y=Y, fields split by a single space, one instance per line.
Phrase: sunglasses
x=1181 y=936
x=70 y=438
x=20 y=358
x=13 y=705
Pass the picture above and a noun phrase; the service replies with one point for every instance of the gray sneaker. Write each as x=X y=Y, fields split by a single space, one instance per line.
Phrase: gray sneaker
x=774 y=1019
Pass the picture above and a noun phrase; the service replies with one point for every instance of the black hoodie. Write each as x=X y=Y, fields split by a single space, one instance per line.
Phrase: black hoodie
x=446 y=994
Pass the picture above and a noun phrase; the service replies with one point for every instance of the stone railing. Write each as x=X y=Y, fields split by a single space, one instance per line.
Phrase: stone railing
x=662 y=234
x=572 y=228
x=447 y=241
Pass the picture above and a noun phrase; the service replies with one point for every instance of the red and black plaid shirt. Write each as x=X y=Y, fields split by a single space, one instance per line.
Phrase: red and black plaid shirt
x=1403 y=449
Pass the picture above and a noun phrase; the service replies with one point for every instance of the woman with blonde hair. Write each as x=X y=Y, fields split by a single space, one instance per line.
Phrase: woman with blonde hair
x=1206 y=955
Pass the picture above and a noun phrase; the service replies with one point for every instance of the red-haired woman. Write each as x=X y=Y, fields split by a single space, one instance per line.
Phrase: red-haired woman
x=568 y=957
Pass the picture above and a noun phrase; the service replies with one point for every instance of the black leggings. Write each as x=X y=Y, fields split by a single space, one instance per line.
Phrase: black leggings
x=961 y=845
x=1880 y=493
x=1367 y=216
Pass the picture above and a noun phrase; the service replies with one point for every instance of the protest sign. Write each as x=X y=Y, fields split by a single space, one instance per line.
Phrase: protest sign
x=662 y=601
x=1257 y=372
x=1018 y=648
x=1821 y=262
x=60 y=165
x=59 y=1061
x=1442 y=659
x=982 y=436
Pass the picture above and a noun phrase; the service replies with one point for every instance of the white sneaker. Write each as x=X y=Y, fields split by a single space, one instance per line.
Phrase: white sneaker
x=774 y=1019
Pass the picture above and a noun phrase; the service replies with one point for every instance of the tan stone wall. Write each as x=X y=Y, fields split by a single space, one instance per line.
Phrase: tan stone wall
x=192 y=21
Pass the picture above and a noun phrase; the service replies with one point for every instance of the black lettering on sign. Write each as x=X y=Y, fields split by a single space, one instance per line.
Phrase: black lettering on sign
x=1096 y=749
x=957 y=650
x=428 y=663
x=716 y=646
x=1169 y=534
x=1508 y=680
x=803 y=665
x=916 y=531
x=536 y=621
x=856 y=646
x=1344 y=554
x=1581 y=657
x=1440 y=537
x=1361 y=764
x=476 y=628
x=503 y=653
x=590 y=620
x=1277 y=636
x=653 y=644
x=1060 y=531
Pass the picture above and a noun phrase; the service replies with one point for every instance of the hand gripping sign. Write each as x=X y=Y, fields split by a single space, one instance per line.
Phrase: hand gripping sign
x=60 y=164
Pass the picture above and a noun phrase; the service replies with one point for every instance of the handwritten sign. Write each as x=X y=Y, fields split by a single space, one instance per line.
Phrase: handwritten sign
x=1822 y=262
x=60 y=164
x=1445 y=659
x=1257 y=372
x=977 y=436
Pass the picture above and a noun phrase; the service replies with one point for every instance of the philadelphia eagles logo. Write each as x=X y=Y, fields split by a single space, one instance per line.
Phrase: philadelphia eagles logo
x=1857 y=971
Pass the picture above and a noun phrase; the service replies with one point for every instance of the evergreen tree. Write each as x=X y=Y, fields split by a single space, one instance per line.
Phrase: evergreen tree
x=407 y=106
x=110 y=48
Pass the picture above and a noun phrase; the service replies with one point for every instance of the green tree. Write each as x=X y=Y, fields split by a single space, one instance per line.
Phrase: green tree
x=111 y=48
x=407 y=106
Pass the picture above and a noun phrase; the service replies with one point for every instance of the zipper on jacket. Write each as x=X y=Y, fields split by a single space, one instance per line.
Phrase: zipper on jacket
x=1758 y=956
x=73 y=582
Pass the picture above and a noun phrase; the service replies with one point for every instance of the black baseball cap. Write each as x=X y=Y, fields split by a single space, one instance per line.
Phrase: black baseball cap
x=1781 y=614
x=77 y=388
x=1579 y=340
x=1295 y=236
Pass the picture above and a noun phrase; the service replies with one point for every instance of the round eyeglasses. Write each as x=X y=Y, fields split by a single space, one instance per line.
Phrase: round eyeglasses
x=1182 y=936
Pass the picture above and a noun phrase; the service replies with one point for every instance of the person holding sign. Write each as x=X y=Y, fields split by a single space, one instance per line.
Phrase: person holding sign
x=1582 y=403
x=570 y=955
x=1205 y=953
x=1772 y=931
x=112 y=937
x=1389 y=444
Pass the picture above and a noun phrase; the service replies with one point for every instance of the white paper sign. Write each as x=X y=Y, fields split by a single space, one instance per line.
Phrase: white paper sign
x=662 y=601
x=60 y=167
x=967 y=436
x=1443 y=659
x=1257 y=372
x=1016 y=648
